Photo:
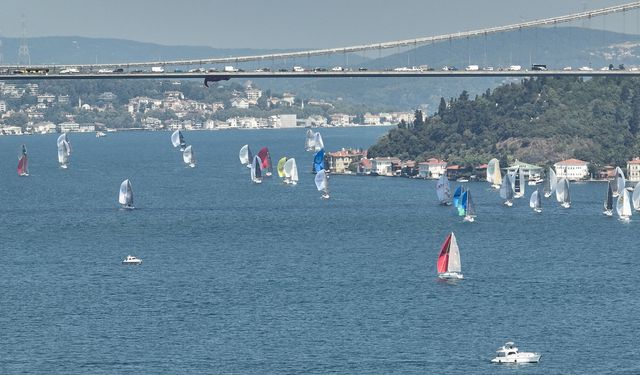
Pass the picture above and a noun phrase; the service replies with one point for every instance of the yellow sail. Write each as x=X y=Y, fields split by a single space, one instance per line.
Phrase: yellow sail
x=281 y=166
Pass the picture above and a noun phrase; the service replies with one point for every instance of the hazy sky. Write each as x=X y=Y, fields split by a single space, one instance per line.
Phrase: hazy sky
x=284 y=23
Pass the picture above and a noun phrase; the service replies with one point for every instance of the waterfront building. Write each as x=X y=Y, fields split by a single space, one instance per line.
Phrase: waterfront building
x=384 y=166
x=572 y=169
x=633 y=170
x=528 y=169
x=432 y=168
x=340 y=161
x=68 y=126
x=3 y=106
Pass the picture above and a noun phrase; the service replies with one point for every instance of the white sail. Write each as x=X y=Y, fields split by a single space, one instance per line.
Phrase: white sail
x=309 y=143
x=494 y=175
x=244 y=155
x=636 y=197
x=188 y=156
x=291 y=171
x=535 y=201
x=126 y=194
x=623 y=206
x=621 y=181
x=321 y=181
x=454 y=256
x=318 y=144
x=63 y=153
x=560 y=190
x=175 y=138
x=550 y=183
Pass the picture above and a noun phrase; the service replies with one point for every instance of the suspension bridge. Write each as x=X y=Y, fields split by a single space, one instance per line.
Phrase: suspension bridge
x=159 y=69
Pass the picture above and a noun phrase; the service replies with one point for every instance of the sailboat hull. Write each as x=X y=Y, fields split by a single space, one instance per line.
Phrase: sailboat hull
x=450 y=276
x=565 y=205
x=608 y=213
x=469 y=219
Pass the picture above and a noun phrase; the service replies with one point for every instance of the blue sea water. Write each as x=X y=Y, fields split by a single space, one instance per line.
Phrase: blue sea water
x=240 y=278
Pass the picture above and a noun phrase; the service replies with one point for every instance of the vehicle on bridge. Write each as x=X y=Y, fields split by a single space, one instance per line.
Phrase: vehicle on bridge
x=231 y=69
x=515 y=68
x=472 y=68
x=70 y=71
x=157 y=69
x=539 y=67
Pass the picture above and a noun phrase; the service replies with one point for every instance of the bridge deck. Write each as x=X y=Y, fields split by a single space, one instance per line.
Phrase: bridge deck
x=329 y=74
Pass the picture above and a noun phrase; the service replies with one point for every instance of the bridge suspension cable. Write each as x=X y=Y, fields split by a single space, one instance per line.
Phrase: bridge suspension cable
x=384 y=45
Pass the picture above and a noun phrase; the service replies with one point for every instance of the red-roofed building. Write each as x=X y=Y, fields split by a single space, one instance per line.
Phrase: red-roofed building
x=432 y=168
x=364 y=166
x=633 y=169
x=572 y=169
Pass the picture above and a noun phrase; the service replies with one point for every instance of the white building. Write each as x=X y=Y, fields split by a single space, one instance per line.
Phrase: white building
x=240 y=103
x=288 y=121
x=383 y=166
x=432 y=168
x=370 y=119
x=68 y=127
x=633 y=170
x=253 y=93
x=572 y=169
x=3 y=106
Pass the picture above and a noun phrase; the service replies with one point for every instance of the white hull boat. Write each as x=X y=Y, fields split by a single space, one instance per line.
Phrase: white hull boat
x=510 y=354
x=130 y=260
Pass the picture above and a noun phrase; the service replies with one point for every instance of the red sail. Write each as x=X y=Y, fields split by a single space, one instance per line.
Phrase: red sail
x=263 y=154
x=443 y=257
x=22 y=165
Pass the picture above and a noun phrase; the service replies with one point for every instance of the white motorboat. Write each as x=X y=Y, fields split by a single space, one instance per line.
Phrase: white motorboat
x=510 y=354
x=132 y=261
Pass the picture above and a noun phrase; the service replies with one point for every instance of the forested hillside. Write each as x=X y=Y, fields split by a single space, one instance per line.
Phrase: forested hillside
x=537 y=120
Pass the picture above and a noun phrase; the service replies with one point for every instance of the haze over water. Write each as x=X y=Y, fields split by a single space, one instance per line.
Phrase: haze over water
x=256 y=279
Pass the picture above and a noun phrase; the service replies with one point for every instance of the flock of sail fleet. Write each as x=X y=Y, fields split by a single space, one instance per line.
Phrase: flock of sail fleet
x=512 y=186
x=261 y=166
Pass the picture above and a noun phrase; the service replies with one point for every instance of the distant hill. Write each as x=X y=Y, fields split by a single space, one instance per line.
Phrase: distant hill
x=540 y=121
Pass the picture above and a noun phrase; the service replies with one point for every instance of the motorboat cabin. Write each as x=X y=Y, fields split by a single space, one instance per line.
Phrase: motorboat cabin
x=510 y=354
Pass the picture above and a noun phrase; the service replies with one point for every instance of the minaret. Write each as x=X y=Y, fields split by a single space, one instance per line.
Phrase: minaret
x=23 y=51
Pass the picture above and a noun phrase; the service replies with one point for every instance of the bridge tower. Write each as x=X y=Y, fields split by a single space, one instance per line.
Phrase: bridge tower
x=23 y=50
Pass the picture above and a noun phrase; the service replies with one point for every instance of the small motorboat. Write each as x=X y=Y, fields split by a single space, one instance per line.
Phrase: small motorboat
x=132 y=261
x=510 y=354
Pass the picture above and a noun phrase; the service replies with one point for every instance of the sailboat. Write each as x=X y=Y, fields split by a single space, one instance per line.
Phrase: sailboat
x=318 y=144
x=518 y=185
x=265 y=157
x=635 y=198
x=280 y=167
x=64 y=151
x=506 y=190
x=619 y=182
x=23 y=163
x=563 y=195
x=448 y=263
x=126 y=195
x=623 y=206
x=246 y=157
x=550 y=183
x=443 y=190
x=535 y=201
x=178 y=140
x=608 y=200
x=256 y=170
x=189 y=157
x=318 y=161
x=322 y=183
x=309 y=142
x=290 y=170
x=468 y=207
x=494 y=176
